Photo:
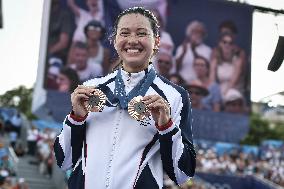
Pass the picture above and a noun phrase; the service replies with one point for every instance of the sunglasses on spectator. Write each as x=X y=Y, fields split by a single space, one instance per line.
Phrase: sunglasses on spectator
x=225 y=42
x=95 y=28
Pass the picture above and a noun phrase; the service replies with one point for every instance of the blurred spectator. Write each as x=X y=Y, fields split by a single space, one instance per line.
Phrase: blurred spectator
x=226 y=65
x=95 y=12
x=32 y=137
x=99 y=55
x=67 y=80
x=79 y=63
x=234 y=102
x=16 y=122
x=192 y=46
x=164 y=63
x=44 y=147
x=228 y=26
x=213 y=100
x=60 y=31
x=197 y=92
x=54 y=66
x=166 y=42
x=177 y=79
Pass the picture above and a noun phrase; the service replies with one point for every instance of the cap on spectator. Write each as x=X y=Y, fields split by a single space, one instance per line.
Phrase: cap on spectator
x=198 y=85
x=55 y=65
x=232 y=95
x=94 y=24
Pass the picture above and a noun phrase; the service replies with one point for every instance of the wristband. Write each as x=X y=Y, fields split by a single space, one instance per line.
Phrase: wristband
x=164 y=127
x=77 y=118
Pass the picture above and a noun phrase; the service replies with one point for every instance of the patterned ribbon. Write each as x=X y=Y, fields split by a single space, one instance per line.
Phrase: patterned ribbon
x=140 y=89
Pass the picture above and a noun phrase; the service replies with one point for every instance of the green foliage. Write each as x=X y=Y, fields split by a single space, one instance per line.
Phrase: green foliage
x=19 y=98
x=261 y=129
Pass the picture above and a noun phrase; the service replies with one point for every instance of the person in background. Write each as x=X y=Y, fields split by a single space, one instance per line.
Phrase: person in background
x=79 y=58
x=213 y=100
x=67 y=80
x=166 y=42
x=226 y=64
x=164 y=63
x=54 y=66
x=177 y=79
x=228 y=26
x=192 y=45
x=95 y=12
x=234 y=102
x=97 y=54
x=17 y=122
x=60 y=31
x=197 y=92
x=32 y=137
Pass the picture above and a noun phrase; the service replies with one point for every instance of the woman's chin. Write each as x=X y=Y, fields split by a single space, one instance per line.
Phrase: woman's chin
x=134 y=64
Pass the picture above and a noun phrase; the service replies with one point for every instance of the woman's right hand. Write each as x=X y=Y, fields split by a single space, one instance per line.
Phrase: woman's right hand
x=79 y=99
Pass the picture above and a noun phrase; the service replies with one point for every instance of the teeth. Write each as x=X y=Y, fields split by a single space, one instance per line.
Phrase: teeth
x=132 y=50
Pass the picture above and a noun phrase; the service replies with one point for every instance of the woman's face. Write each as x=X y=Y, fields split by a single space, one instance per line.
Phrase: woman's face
x=94 y=33
x=63 y=83
x=226 y=43
x=135 y=41
x=200 y=67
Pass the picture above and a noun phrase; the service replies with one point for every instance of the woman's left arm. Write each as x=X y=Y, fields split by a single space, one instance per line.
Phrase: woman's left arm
x=176 y=145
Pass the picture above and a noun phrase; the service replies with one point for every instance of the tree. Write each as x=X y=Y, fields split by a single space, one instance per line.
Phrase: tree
x=260 y=130
x=19 y=98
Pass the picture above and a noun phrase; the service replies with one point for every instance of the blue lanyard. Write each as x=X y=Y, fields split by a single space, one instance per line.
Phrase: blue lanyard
x=140 y=89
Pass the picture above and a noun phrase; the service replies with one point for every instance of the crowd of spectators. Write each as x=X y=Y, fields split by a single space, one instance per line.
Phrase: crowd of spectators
x=77 y=52
x=267 y=163
x=10 y=149
x=39 y=149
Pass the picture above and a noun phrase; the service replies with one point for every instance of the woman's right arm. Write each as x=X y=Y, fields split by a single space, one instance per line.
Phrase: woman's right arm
x=69 y=144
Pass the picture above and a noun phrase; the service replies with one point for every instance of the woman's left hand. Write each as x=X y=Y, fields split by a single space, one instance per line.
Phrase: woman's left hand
x=159 y=108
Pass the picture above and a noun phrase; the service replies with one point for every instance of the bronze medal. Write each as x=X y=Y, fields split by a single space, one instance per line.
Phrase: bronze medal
x=137 y=109
x=96 y=101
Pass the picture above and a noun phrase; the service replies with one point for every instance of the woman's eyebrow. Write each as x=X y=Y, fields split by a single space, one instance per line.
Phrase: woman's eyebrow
x=124 y=29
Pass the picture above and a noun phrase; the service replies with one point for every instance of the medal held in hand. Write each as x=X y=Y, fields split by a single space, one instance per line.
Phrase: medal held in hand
x=137 y=109
x=96 y=101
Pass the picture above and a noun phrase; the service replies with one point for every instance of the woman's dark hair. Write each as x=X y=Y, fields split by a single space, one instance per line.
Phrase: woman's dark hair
x=230 y=25
x=72 y=76
x=137 y=10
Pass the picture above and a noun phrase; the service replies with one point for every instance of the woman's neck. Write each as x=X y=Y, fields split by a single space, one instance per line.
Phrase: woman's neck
x=133 y=69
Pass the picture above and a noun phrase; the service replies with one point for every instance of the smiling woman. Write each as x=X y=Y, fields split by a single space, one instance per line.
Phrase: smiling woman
x=115 y=145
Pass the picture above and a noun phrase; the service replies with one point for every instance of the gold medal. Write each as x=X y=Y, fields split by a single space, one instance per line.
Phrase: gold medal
x=96 y=101
x=137 y=109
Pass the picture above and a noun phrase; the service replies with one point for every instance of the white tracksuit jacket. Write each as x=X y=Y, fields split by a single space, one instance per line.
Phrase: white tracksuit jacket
x=111 y=150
